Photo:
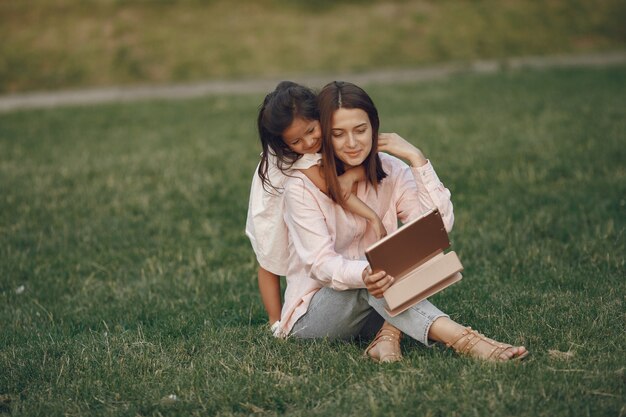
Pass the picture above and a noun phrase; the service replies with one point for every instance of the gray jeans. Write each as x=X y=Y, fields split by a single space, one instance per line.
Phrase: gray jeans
x=343 y=314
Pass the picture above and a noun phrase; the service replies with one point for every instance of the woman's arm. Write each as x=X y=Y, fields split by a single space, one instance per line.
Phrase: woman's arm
x=313 y=242
x=395 y=145
x=430 y=192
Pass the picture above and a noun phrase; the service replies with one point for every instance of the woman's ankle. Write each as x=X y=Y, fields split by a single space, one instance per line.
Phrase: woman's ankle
x=388 y=326
x=444 y=330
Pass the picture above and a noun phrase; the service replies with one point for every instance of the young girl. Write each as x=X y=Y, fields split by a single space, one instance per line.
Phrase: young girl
x=289 y=129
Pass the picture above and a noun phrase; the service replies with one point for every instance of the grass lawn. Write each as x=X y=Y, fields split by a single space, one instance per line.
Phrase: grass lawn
x=52 y=44
x=125 y=276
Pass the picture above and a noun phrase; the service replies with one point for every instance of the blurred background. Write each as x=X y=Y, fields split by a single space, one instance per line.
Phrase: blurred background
x=61 y=44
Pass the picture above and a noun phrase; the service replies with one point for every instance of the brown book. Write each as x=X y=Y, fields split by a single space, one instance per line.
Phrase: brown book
x=414 y=256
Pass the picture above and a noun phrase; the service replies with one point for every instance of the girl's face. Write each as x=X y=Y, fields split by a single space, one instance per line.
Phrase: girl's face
x=303 y=136
x=351 y=135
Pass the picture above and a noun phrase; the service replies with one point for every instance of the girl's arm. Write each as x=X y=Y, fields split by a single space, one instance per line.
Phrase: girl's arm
x=353 y=203
x=346 y=180
x=349 y=178
x=358 y=207
x=314 y=173
x=269 y=287
x=313 y=242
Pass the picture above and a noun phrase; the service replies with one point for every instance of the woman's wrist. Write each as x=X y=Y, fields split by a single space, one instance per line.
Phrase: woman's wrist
x=396 y=145
x=417 y=159
x=414 y=155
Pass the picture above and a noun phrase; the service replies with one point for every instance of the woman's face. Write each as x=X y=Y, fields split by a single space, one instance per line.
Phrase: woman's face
x=303 y=136
x=352 y=136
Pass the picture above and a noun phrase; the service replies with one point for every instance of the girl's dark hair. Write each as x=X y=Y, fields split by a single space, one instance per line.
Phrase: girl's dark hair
x=336 y=95
x=279 y=109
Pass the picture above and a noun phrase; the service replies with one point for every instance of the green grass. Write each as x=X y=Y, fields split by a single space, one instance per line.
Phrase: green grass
x=52 y=44
x=124 y=225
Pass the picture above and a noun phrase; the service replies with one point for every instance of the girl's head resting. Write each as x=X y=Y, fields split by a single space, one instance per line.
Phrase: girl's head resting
x=350 y=125
x=288 y=125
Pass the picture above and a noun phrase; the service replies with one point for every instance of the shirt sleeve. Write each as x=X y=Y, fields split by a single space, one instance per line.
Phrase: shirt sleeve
x=274 y=174
x=313 y=242
x=419 y=190
x=307 y=160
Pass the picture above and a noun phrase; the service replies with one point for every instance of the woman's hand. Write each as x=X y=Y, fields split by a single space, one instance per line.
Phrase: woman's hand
x=376 y=283
x=396 y=145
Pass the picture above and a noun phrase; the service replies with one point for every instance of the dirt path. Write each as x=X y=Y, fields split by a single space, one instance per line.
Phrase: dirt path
x=247 y=86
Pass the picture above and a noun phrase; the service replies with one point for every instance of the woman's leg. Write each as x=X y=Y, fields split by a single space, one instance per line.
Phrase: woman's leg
x=425 y=323
x=372 y=325
x=414 y=322
x=386 y=344
x=333 y=314
x=467 y=341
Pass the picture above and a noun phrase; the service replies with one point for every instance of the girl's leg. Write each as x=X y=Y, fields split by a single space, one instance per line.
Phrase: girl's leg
x=333 y=315
x=269 y=287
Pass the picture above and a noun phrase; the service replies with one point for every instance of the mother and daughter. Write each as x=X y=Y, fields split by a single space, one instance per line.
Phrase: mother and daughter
x=311 y=216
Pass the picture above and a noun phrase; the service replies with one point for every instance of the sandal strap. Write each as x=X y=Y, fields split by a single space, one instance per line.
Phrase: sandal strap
x=394 y=333
x=386 y=335
x=469 y=338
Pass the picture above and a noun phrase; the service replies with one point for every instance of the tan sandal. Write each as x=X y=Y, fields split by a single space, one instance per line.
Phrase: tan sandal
x=385 y=347
x=466 y=343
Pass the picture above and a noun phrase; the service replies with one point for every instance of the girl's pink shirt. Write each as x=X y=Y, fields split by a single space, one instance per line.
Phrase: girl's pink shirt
x=265 y=226
x=327 y=243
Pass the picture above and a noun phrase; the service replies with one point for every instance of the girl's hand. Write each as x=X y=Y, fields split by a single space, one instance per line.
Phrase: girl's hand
x=379 y=228
x=376 y=283
x=394 y=144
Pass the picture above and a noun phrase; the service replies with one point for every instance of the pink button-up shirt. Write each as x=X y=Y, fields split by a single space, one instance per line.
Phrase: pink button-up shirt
x=327 y=243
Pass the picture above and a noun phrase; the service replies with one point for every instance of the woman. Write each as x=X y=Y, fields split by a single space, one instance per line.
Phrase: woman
x=331 y=291
x=291 y=138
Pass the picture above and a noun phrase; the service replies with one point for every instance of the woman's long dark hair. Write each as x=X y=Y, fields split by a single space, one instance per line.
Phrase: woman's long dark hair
x=336 y=95
x=278 y=111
